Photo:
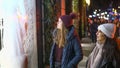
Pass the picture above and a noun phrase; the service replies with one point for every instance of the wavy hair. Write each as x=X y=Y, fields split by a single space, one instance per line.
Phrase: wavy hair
x=111 y=50
x=59 y=36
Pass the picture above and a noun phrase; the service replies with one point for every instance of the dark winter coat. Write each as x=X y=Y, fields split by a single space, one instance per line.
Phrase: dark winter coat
x=93 y=27
x=108 y=64
x=72 y=52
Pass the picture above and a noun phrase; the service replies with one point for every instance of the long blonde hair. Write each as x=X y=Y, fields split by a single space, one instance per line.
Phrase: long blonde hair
x=60 y=36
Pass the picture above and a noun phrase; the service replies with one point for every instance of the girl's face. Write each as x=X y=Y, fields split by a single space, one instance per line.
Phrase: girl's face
x=100 y=36
x=59 y=24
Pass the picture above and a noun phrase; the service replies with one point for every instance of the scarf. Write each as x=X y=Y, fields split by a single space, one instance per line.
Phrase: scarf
x=95 y=57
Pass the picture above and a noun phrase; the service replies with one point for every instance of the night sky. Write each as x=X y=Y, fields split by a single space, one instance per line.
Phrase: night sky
x=103 y=4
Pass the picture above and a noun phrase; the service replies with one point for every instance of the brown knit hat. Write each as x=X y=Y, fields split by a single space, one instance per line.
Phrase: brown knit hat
x=67 y=19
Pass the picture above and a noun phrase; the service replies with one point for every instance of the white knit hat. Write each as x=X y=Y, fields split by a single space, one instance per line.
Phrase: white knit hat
x=108 y=29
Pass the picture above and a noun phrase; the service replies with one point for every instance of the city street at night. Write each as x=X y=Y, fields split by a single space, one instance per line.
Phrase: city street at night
x=59 y=33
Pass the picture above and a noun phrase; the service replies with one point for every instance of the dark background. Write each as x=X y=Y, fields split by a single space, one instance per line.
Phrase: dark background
x=102 y=4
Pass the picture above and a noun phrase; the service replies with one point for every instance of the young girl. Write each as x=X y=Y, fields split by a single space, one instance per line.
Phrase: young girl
x=106 y=53
x=66 y=51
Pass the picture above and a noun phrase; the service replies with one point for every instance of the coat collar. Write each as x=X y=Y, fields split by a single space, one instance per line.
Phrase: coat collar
x=71 y=33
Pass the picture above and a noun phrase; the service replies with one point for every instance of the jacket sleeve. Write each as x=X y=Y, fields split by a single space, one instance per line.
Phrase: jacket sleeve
x=78 y=53
x=51 y=56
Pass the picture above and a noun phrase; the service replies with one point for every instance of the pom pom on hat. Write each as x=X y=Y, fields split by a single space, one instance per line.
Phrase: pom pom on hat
x=73 y=15
x=67 y=19
x=108 y=29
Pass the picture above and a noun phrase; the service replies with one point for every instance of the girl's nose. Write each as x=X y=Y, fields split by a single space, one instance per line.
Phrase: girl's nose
x=97 y=33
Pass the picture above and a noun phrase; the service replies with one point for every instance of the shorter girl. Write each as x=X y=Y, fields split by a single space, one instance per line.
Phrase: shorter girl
x=106 y=53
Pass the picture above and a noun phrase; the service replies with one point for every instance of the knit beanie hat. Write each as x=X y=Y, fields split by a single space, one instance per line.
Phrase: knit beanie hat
x=67 y=19
x=108 y=29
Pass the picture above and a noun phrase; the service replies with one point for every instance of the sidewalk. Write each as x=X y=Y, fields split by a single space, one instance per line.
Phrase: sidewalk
x=87 y=46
